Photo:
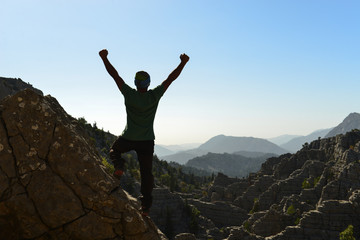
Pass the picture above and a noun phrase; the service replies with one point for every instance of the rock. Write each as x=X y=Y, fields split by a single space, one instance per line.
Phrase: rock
x=185 y=236
x=331 y=218
x=313 y=194
x=237 y=233
x=247 y=199
x=10 y=86
x=355 y=200
x=223 y=181
x=291 y=185
x=271 y=223
x=53 y=184
x=168 y=212
x=220 y=213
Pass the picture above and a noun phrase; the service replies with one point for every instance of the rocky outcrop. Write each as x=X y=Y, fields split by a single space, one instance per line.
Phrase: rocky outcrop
x=168 y=212
x=313 y=194
x=52 y=182
x=220 y=213
x=10 y=86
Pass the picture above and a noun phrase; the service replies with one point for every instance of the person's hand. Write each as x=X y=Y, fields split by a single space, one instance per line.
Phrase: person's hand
x=184 y=58
x=103 y=53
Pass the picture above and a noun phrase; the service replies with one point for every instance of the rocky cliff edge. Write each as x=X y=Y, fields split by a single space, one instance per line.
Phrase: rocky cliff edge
x=52 y=182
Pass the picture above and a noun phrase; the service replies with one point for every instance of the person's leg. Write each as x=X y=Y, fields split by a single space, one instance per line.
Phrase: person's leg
x=145 y=150
x=119 y=147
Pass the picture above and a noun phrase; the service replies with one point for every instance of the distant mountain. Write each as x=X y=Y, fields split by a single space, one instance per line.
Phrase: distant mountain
x=181 y=147
x=349 y=123
x=296 y=144
x=255 y=154
x=162 y=151
x=166 y=150
x=183 y=156
x=229 y=164
x=282 y=139
x=249 y=146
x=10 y=86
x=229 y=144
x=190 y=170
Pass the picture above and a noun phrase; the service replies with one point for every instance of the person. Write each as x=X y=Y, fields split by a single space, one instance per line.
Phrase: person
x=141 y=105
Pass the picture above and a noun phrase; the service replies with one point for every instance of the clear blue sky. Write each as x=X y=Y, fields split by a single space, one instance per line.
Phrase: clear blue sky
x=257 y=68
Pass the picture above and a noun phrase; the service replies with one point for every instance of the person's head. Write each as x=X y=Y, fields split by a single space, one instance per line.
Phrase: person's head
x=142 y=80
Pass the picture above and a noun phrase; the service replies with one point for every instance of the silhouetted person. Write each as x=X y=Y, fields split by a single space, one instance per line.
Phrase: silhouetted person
x=141 y=105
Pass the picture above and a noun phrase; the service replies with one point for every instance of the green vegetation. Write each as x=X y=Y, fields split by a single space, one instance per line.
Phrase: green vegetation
x=246 y=226
x=291 y=210
x=98 y=137
x=109 y=167
x=255 y=206
x=194 y=213
x=232 y=165
x=175 y=179
x=316 y=180
x=306 y=184
x=305 y=145
x=348 y=233
x=297 y=221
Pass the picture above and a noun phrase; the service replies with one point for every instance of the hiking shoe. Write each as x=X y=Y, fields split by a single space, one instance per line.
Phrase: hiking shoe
x=118 y=173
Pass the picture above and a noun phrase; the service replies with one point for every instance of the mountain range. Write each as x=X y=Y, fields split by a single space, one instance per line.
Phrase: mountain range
x=245 y=145
x=227 y=144
x=232 y=165
x=296 y=143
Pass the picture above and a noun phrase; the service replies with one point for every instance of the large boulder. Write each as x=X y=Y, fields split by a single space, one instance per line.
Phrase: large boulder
x=52 y=182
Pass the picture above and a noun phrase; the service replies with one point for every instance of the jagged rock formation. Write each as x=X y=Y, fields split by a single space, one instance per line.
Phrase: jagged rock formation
x=174 y=215
x=10 y=86
x=313 y=194
x=52 y=182
x=168 y=212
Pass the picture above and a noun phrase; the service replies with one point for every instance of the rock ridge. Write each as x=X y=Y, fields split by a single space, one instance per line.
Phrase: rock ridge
x=312 y=194
x=52 y=182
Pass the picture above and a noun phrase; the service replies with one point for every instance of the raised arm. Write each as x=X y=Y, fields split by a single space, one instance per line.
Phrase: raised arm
x=174 y=74
x=110 y=69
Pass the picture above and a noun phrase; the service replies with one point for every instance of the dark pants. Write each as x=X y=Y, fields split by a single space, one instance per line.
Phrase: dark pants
x=144 y=151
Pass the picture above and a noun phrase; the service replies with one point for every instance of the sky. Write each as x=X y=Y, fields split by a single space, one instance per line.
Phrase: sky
x=259 y=68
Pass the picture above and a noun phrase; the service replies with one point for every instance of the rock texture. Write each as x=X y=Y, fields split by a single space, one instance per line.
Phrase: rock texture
x=52 y=182
x=168 y=212
x=313 y=194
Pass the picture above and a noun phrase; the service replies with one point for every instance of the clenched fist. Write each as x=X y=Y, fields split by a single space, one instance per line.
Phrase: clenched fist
x=103 y=53
x=184 y=58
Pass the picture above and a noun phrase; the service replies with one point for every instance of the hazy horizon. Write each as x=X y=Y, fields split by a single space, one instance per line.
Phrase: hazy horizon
x=257 y=68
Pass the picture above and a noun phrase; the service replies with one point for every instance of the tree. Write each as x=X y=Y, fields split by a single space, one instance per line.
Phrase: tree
x=348 y=233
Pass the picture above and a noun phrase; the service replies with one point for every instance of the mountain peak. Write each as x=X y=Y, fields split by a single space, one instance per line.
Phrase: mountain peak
x=231 y=144
x=352 y=121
